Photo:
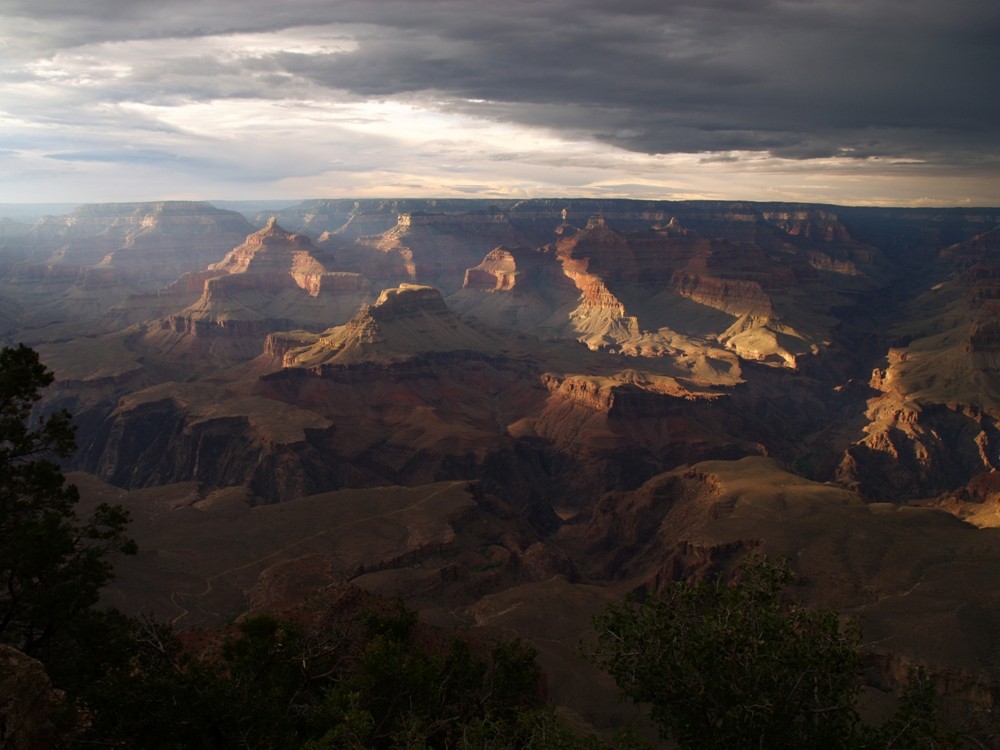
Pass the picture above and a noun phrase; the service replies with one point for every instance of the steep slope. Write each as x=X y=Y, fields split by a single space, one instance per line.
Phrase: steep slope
x=404 y=322
x=517 y=289
x=176 y=432
x=429 y=248
x=632 y=382
x=429 y=397
x=660 y=287
x=896 y=568
x=420 y=384
x=933 y=424
x=275 y=280
x=74 y=268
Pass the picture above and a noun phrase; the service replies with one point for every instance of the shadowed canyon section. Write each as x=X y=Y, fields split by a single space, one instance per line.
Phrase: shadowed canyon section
x=510 y=412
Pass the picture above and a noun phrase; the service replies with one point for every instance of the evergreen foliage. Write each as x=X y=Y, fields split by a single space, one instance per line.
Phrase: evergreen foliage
x=277 y=684
x=733 y=665
x=52 y=564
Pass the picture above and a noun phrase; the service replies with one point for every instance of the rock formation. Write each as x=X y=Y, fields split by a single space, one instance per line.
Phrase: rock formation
x=895 y=568
x=404 y=322
x=27 y=702
x=274 y=281
x=78 y=266
x=580 y=398
x=429 y=248
x=933 y=425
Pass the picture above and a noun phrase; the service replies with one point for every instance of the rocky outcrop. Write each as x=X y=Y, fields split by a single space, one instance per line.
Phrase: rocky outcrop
x=404 y=321
x=647 y=282
x=933 y=425
x=273 y=252
x=497 y=272
x=919 y=447
x=177 y=433
x=274 y=281
x=27 y=702
x=893 y=568
x=517 y=289
x=600 y=318
x=431 y=248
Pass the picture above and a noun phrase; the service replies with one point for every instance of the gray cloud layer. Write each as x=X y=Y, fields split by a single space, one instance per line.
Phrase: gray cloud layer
x=912 y=80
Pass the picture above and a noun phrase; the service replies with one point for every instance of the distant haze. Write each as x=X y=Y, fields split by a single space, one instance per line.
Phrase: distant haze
x=836 y=101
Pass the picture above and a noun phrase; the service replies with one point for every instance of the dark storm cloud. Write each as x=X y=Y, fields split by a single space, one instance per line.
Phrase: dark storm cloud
x=799 y=79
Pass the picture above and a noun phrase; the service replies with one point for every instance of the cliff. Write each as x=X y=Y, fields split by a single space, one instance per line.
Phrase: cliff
x=177 y=432
x=77 y=267
x=404 y=321
x=430 y=248
x=275 y=280
x=932 y=427
x=894 y=568
x=151 y=243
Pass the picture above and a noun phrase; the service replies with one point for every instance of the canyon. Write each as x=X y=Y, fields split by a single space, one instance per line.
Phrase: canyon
x=512 y=412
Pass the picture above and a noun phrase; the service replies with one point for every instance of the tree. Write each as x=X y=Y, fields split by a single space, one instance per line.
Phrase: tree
x=736 y=665
x=52 y=565
x=361 y=681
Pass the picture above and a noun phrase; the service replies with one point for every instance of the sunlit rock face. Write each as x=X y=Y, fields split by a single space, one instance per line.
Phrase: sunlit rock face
x=404 y=322
x=762 y=285
x=932 y=426
x=274 y=281
x=429 y=248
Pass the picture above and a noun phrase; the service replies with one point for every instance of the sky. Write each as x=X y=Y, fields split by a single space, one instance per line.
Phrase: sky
x=874 y=102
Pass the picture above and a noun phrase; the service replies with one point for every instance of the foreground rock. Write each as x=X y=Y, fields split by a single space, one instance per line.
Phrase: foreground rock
x=27 y=702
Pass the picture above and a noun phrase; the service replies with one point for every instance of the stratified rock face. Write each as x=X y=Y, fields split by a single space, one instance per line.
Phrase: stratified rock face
x=274 y=252
x=404 y=321
x=601 y=317
x=648 y=283
x=719 y=333
x=27 y=702
x=933 y=425
x=430 y=248
x=440 y=386
x=895 y=568
x=76 y=267
x=498 y=272
x=146 y=242
x=515 y=288
x=274 y=281
x=182 y=432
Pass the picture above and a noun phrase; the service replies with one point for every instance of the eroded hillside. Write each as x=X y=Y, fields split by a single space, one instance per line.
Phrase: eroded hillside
x=510 y=413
